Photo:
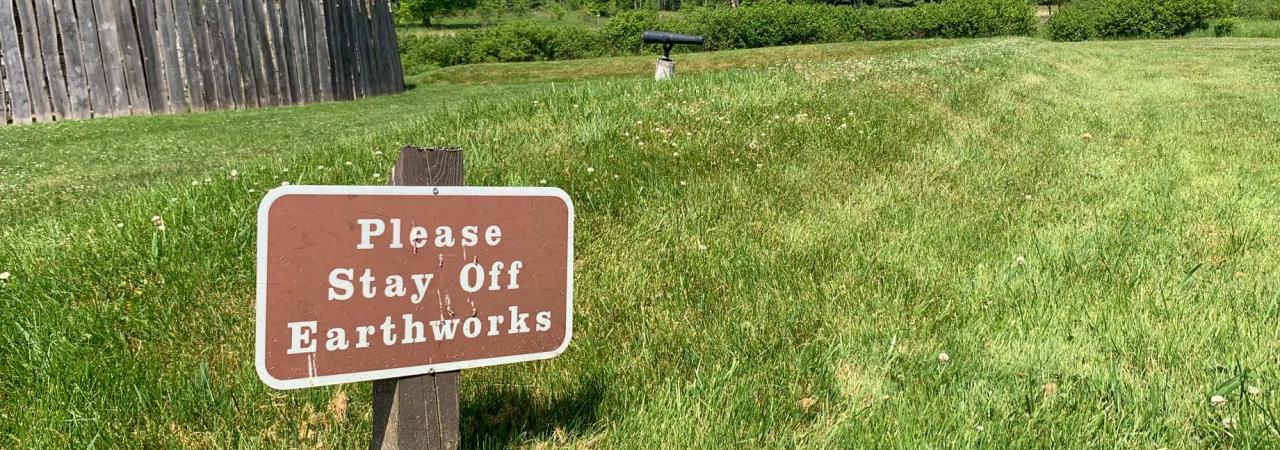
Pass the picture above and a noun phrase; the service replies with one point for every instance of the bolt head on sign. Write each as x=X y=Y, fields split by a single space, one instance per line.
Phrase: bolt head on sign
x=359 y=283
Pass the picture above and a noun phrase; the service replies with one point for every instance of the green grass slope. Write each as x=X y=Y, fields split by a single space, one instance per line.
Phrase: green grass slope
x=771 y=256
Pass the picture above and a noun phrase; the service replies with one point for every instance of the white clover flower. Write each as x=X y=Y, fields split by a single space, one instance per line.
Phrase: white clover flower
x=4 y=276
x=1229 y=423
x=235 y=173
x=682 y=183
x=120 y=225
x=591 y=169
x=284 y=183
x=1020 y=260
x=542 y=181
x=1218 y=401
x=943 y=358
x=1253 y=390
x=195 y=182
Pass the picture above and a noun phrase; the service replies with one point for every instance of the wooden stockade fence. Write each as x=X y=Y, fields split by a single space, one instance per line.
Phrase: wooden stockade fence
x=75 y=59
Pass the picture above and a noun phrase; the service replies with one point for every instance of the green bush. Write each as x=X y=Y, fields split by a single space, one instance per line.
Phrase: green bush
x=761 y=25
x=1224 y=26
x=622 y=32
x=765 y=23
x=509 y=42
x=1258 y=9
x=978 y=18
x=1114 y=19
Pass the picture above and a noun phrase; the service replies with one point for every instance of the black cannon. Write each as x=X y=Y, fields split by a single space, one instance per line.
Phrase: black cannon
x=669 y=40
x=667 y=67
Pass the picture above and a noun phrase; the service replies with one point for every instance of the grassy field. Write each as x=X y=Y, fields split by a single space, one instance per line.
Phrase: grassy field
x=769 y=255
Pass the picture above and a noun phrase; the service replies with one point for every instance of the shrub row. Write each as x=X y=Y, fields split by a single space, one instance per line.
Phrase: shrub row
x=1258 y=9
x=757 y=25
x=1115 y=19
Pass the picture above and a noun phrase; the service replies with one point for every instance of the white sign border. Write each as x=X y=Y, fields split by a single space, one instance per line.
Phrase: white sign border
x=264 y=209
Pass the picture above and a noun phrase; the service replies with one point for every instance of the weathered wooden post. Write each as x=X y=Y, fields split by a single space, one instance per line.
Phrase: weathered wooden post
x=406 y=285
x=426 y=405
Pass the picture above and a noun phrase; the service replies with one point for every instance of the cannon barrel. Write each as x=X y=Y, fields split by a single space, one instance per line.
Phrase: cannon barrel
x=668 y=38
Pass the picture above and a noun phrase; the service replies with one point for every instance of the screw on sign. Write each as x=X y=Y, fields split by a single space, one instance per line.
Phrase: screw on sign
x=408 y=284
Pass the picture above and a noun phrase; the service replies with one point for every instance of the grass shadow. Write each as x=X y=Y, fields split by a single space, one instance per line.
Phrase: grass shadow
x=506 y=416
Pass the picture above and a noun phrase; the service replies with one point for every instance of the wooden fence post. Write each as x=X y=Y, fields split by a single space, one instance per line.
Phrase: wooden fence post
x=419 y=412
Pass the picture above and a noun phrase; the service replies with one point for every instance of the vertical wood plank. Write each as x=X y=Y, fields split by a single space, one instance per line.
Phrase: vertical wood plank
x=303 y=57
x=324 y=72
x=204 y=50
x=100 y=96
x=112 y=59
x=252 y=42
x=280 y=46
x=244 y=54
x=389 y=50
x=397 y=69
x=4 y=97
x=15 y=71
x=376 y=73
x=290 y=51
x=78 y=104
x=36 y=85
x=348 y=46
x=313 y=54
x=366 y=41
x=267 y=51
x=362 y=48
x=222 y=69
x=134 y=74
x=167 y=38
x=189 y=42
x=47 y=28
x=231 y=58
x=145 y=16
x=420 y=412
x=334 y=12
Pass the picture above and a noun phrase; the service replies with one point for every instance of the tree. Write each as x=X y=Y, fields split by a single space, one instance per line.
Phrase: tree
x=423 y=9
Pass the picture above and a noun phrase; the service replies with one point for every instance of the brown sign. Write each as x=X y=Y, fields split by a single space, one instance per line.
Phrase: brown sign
x=360 y=283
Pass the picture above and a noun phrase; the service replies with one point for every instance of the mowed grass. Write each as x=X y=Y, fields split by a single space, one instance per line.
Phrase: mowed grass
x=771 y=256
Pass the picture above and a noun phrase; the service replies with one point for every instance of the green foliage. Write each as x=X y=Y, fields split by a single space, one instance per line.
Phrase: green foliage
x=759 y=25
x=1258 y=9
x=423 y=10
x=509 y=42
x=1112 y=19
x=1224 y=26
x=622 y=32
